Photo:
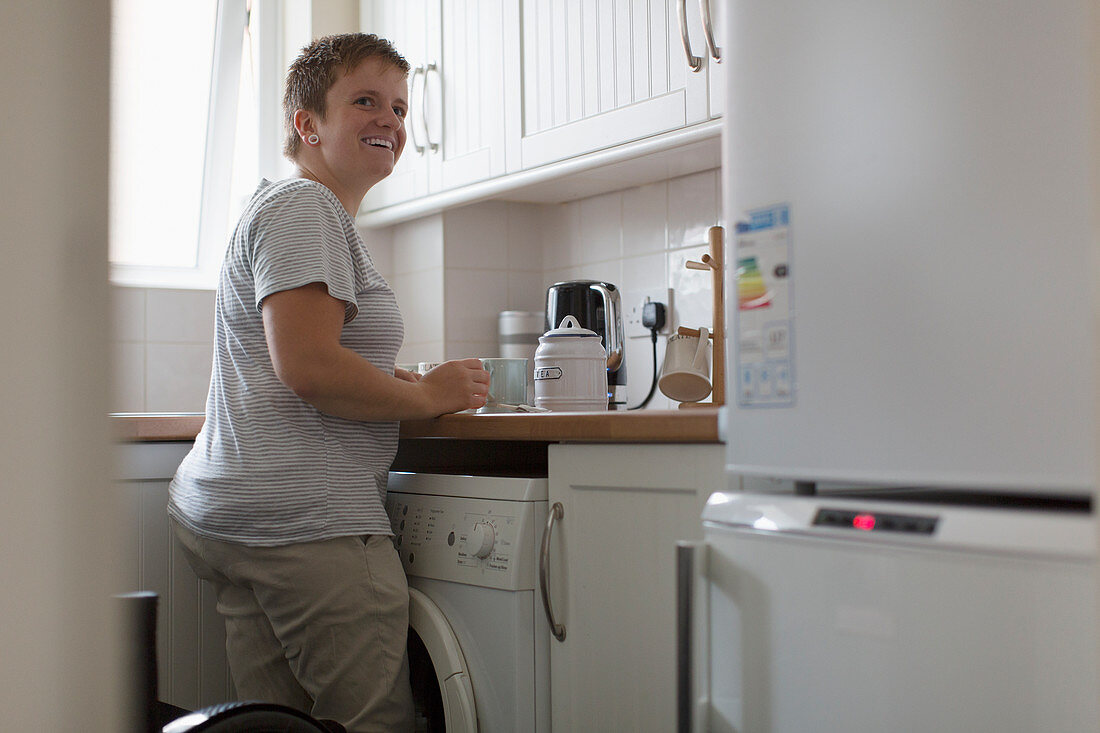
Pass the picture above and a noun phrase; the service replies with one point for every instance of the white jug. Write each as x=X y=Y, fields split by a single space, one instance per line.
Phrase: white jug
x=570 y=369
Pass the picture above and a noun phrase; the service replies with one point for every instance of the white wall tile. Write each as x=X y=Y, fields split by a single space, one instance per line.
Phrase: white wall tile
x=127 y=377
x=179 y=316
x=473 y=300
x=420 y=298
x=645 y=219
x=692 y=289
x=526 y=224
x=418 y=245
x=526 y=291
x=601 y=230
x=422 y=351
x=127 y=314
x=178 y=377
x=471 y=349
x=476 y=236
x=561 y=228
x=639 y=364
x=380 y=246
x=645 y=272
x=693 y=207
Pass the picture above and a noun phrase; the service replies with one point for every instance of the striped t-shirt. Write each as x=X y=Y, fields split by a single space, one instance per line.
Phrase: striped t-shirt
x=267 y=467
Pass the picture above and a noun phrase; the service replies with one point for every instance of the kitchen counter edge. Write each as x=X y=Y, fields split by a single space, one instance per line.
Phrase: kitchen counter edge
x=696 y=425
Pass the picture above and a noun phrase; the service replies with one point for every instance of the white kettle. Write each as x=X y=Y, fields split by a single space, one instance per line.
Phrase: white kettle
x=571 y=369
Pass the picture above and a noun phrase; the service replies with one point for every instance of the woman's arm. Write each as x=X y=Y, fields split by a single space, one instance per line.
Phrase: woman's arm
x=303 y=328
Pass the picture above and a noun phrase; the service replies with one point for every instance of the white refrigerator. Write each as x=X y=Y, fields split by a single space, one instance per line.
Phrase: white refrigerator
x=912 y=193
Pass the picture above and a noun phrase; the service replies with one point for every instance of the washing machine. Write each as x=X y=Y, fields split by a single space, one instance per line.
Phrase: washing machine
x=479 y=642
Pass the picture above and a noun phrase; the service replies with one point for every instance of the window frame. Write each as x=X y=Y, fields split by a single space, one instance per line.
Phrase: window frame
x=232 y=21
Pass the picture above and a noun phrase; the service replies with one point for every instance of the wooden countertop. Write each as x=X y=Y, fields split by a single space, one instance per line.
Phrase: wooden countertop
x=698 y=425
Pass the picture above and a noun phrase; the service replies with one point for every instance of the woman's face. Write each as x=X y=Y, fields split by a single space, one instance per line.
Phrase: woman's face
x=363 y=132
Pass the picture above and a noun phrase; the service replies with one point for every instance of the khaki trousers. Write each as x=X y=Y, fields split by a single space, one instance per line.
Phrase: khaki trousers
x=318 y=626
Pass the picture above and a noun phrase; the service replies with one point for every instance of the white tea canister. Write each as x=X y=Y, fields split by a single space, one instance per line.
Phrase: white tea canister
x=570 y=369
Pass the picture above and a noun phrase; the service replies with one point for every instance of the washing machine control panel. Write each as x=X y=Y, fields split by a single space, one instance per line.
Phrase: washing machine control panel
x=484 y=542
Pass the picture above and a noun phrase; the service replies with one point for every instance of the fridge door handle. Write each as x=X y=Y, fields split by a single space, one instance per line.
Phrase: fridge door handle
x=692 y=683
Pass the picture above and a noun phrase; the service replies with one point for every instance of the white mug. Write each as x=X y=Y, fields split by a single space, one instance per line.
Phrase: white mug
x=685 y=376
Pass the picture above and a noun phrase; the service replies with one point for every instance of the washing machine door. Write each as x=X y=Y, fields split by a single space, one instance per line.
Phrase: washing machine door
x=442 y=692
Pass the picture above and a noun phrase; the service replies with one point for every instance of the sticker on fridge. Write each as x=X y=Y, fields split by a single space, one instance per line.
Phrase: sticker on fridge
x=764 y=318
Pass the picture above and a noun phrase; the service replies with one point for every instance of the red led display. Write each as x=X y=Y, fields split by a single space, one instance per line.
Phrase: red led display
x=865 y=522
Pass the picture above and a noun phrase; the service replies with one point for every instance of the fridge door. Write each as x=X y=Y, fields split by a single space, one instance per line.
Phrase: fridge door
x=916 y=277
x=985 y=623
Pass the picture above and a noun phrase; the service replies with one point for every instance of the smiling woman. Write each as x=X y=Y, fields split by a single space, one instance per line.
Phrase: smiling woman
x=192 y=130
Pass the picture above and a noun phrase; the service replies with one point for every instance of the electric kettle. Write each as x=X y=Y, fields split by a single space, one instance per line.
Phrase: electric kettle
x=596 y=306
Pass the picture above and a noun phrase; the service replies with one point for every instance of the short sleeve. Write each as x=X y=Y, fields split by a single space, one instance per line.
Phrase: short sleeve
x=298 y=239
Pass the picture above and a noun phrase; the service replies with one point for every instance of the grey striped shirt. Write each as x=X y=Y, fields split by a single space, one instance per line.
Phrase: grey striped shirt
x=268 y=468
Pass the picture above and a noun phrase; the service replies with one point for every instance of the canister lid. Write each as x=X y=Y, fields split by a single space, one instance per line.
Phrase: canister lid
x=569 y=328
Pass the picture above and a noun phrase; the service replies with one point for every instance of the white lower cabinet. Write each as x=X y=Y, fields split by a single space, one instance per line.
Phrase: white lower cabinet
x=191 y=664
x=612 y=578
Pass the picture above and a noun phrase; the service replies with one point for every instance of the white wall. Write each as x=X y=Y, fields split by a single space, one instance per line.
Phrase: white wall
x=453 y=273
x=57 y=527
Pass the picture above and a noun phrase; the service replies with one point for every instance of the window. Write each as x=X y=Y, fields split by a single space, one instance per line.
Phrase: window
x=195 y=123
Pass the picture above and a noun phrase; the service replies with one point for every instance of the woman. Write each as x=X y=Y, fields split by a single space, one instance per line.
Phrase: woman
x=280 y=503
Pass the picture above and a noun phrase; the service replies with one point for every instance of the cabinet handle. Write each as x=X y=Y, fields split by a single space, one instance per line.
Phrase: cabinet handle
x=557 y=629
x=708 y=31
x=434 y=146
x=412 y=127
x=695 y=62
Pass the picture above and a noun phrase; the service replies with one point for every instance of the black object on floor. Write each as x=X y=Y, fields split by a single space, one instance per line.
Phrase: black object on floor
x=148 y=714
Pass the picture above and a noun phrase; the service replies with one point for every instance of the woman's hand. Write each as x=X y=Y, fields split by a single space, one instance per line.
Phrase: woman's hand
x=303 y=327
x=454 y=386
x=405 y=375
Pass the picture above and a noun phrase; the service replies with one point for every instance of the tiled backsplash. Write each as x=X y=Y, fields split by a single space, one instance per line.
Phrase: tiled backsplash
x=498 y=256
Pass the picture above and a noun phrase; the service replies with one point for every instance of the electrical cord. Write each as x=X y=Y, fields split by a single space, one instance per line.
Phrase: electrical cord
x=653 y=384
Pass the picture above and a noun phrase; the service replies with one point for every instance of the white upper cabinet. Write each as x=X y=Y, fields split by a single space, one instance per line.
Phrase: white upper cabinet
x=456 y=93
x=704 y=31
x=599 y=73
x=510 y=86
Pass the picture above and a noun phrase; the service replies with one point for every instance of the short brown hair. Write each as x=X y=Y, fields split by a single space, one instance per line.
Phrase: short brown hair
x=314 y=72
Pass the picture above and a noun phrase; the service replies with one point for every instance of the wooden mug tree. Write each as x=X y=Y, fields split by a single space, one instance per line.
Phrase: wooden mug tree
x=713 y=261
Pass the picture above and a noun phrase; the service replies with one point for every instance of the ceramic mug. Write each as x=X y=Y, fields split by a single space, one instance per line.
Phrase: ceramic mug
x=507 y=382
x=685 y=376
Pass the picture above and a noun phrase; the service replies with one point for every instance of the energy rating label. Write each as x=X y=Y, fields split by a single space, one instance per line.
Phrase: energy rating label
x=763 y=321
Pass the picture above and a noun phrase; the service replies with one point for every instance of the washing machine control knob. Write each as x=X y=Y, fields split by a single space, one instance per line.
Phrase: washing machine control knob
x=482 y=539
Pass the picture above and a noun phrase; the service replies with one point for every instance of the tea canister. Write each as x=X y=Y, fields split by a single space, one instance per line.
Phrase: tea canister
x=570 y=369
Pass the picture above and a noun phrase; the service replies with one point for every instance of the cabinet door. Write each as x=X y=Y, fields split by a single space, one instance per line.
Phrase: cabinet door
x=405 y=24
x=716 y=67
x=466 y=92
x=597 y=73
x=613 y=580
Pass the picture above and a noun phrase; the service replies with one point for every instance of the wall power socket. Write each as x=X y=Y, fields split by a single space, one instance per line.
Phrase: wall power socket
x=633 y=302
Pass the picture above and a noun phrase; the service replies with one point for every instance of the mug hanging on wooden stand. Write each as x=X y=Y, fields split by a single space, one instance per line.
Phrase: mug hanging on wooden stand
x=685 y=376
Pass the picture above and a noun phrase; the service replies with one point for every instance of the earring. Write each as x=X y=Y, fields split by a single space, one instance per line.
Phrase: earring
x=313 y=139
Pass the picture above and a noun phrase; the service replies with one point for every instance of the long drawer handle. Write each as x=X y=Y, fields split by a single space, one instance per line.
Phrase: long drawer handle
x=412 y=123
x=434 y=146
x=708 y=31
x=556 y=512
x=695 y=62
